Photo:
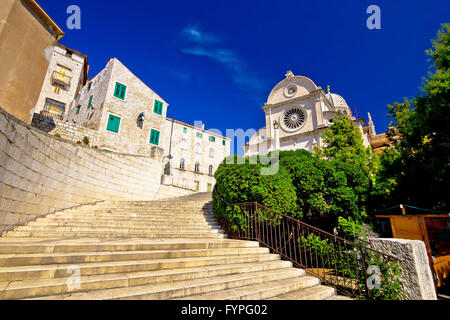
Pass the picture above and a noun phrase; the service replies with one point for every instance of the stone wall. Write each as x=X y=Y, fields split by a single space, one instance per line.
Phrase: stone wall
x=40 y=174
x=416 y=278
x=65 y=130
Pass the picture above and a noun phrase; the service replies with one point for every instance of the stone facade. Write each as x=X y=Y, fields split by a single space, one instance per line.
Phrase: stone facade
x=133 y=135
x=40 y=173
x=66 y=75
x=297 y=113
x=189 y=145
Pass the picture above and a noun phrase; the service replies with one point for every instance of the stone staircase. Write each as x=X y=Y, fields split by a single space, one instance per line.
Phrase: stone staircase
x=167 y=249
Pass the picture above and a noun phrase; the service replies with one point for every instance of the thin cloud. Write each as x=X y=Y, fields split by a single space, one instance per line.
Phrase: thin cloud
x=230 y=60
x=193 y=34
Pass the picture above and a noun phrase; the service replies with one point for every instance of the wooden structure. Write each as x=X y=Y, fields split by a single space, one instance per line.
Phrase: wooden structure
x=433 y=230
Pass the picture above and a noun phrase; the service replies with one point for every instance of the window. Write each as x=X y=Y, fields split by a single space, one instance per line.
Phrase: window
x=154 y=137
x=158 y=108
x=78 y=110
x=113 y=123
x=212 y=139
x=211 y=153
x=89 y=87
x=182 y=164
x=54 y=107
x=210 y=170
x=184 y=130
x=199 y=135
x=57 y=90
x=198 y=148
x=197 y=167
x=223 y=142
x=183 y=144
x=120 y=90
x=90 y=102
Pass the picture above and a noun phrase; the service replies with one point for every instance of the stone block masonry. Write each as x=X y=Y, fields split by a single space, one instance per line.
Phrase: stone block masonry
x=40 y=173
x=416 y=277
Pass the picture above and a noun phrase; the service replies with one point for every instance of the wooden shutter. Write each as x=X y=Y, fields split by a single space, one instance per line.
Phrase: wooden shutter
x=113 y=124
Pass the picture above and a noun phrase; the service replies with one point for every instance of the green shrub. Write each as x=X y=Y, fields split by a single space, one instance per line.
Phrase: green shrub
x=85 y=140
x=322 y=188
x=244 y=183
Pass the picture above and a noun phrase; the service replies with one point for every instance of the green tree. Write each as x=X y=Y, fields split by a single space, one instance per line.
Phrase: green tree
x=343 y=144
x=416 y=172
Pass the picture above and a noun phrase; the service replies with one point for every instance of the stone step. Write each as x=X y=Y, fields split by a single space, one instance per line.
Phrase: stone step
x=319 y=292
x=101 y=234
x=153 y=219
x=120 y=229
x=339 y=297
x=18 y=273
x=167 y=216
x=57 y=286
x=178 y=289
x=113 y=223
x=37 y=245
x=146 y=210
x=9 y=260
x=258 y=291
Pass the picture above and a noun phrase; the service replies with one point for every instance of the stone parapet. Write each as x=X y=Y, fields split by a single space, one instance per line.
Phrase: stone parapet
x=416 y=277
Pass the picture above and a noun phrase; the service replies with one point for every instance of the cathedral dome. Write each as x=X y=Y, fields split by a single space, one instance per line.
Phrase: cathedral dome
x=338 y=102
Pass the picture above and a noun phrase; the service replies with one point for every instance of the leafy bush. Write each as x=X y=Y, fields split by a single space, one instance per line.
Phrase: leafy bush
x=322 y=188
x=85 y=140
x=244 y=183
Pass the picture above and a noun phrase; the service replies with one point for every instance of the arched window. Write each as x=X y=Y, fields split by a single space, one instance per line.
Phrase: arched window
x=210 y=170
x=183 y=144
x=211 y=153
x=197 y=167
x=198 y=148
x=182 y=165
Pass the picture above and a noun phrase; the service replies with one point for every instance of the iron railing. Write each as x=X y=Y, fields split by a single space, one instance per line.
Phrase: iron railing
x=338 y=262
x=54 y=115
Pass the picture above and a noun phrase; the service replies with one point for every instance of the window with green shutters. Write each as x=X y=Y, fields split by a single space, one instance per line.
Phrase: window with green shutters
x=154 y=136
x=89 y=87
x=158 y=107
x=199 y=135
x=212 y=139
x=90 y=102
x=120 y=91
x=184 y=130
x=223 y=142
x=78 y=109
x=113 y=123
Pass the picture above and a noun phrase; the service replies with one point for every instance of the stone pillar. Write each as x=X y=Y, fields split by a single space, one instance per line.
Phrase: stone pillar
x=276 y=136
x=416 y=277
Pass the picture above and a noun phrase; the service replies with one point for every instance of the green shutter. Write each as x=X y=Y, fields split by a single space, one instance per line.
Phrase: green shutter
x=154 y=136
x=212 y=139
x=184 y=130
x=113 y=124
x=90 y=102
x=78 y=109
x=158 y=107
x=223 y=142
x=120 y=90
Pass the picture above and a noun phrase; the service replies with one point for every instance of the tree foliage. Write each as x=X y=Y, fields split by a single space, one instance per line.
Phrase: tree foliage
x=416 y=171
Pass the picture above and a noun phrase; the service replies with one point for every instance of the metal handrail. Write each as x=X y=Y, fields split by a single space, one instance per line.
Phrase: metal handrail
x=338 y=262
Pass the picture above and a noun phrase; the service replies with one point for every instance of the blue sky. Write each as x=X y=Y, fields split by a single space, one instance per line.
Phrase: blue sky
x=217 y=61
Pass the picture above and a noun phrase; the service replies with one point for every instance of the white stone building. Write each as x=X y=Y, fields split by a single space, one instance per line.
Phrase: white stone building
x=297 y=113
x=129 y=117
x=66 y=75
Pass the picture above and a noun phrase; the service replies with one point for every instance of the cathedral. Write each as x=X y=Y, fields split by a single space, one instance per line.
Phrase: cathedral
x=297 y=113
